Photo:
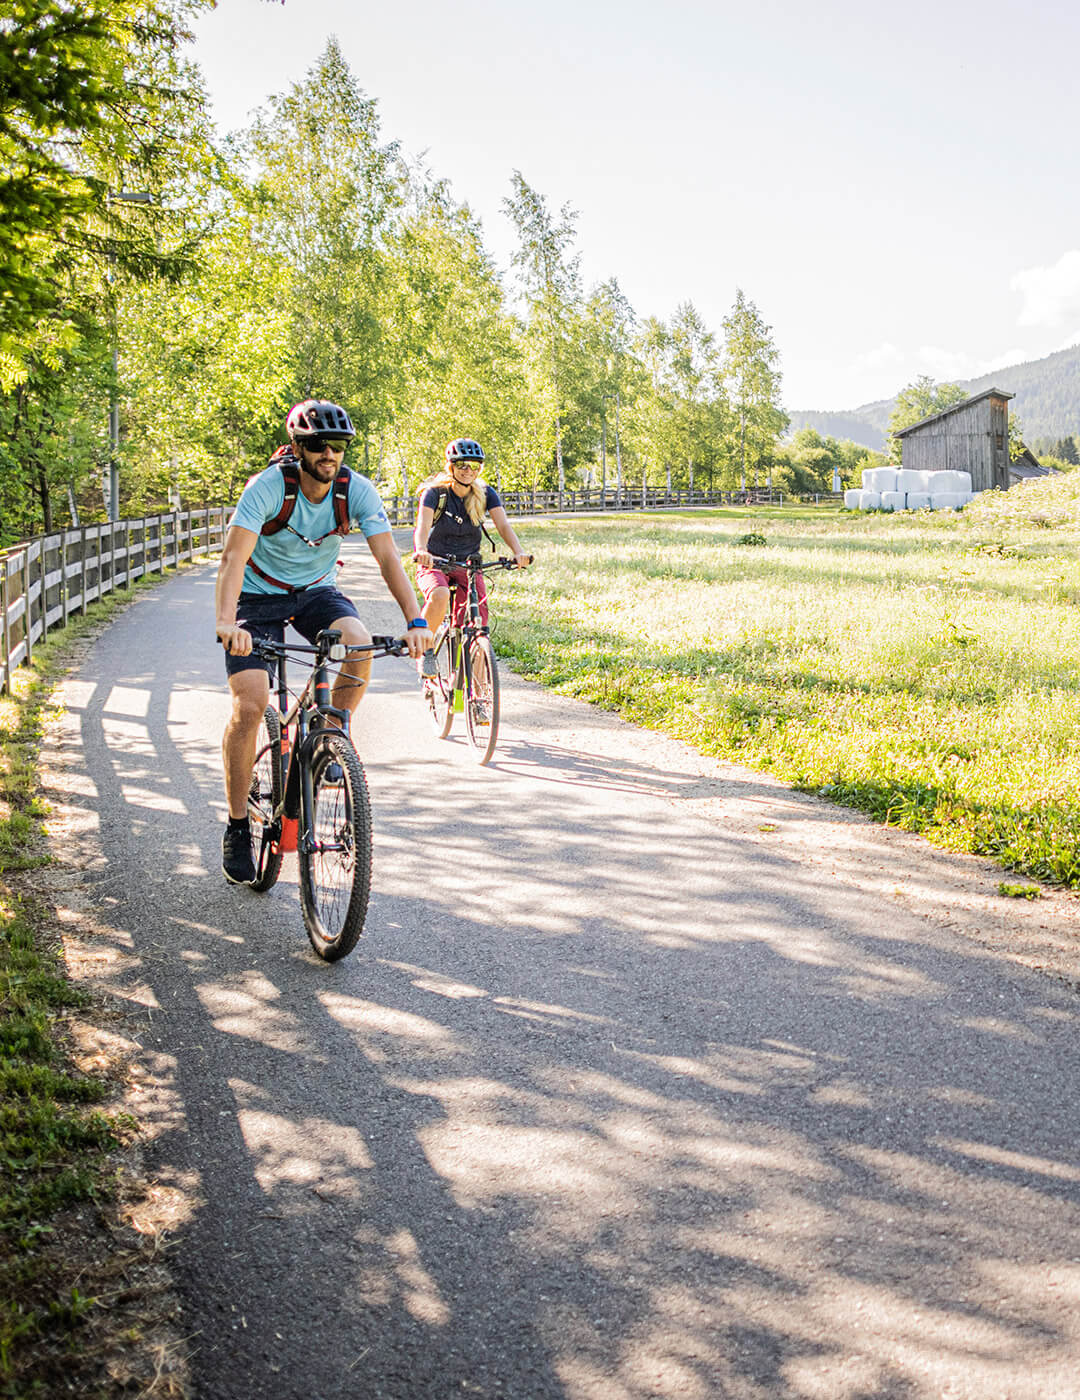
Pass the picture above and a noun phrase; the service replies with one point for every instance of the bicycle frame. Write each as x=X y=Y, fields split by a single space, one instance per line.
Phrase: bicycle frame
x=292 y=826
x=473 y=625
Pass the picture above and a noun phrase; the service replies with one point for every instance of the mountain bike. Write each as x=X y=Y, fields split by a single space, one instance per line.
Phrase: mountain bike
x=467 y=677
x=309 y=794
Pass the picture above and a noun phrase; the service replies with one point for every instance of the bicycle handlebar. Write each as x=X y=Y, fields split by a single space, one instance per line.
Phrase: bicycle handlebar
x=378 y=646
x=473 y=561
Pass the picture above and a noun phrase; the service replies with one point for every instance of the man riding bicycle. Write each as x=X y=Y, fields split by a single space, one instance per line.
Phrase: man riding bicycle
x=277 y=567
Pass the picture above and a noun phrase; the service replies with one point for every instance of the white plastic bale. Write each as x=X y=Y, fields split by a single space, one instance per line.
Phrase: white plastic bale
x=880 y=479
x=948 y=500
x=893 y=500
x=871 y=500
x=918 y=500
x=908 y=481
x=853 y=500
x=939 y=483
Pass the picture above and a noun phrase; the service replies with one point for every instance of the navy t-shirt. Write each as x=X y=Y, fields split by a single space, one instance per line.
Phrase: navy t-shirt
x=454 y=534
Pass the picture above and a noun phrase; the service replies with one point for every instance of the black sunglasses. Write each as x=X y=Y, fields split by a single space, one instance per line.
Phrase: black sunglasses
x=319 y=444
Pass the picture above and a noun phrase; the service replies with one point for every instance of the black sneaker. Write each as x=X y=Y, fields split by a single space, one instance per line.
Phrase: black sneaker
x=237 y=862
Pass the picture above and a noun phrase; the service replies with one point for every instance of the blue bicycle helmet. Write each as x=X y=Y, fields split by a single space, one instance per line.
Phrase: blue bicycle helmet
x=318 y=418
x=464 y=450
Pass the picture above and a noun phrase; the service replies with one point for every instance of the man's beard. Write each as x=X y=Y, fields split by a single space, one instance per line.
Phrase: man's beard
x=318 y=467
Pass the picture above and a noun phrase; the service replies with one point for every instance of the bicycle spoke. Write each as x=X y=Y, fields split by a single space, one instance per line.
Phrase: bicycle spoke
x=482 y=699
x=263 y=798
x=335 y=865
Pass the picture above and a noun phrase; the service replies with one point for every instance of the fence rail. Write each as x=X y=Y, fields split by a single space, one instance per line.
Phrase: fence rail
x=52 y=577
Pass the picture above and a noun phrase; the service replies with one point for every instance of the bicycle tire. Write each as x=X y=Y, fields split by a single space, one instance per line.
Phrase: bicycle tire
x=482 y=699
x=263 y=800
x=439 y=689
x=335 y=876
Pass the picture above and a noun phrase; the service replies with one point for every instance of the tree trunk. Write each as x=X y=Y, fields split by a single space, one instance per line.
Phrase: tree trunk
x=46 y=504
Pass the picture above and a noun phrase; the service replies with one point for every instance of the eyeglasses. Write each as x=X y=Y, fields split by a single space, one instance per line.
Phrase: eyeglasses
x=320 y=444
x=466 y=466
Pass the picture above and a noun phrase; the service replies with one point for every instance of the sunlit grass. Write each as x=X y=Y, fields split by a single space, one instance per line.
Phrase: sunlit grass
x=922 y=668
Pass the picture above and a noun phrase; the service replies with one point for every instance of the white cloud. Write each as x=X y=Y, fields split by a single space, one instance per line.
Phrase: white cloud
x=1051 y=294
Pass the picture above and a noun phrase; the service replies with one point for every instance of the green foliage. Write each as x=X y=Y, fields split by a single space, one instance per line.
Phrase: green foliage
x=752 y=375
x=309 y=256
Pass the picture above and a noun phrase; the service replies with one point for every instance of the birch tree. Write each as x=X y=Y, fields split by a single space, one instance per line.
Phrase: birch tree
x=550 y=279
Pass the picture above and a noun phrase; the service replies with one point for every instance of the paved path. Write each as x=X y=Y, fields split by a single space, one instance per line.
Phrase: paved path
x=649 y=1079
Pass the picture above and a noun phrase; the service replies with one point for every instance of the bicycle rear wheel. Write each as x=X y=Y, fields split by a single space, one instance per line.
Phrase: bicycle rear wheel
x=439 y=689
x=263 y=800
x=335 y=863
x=482 y=699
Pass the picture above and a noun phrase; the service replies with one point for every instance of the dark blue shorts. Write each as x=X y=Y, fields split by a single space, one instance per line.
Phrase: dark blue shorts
x=265 y=615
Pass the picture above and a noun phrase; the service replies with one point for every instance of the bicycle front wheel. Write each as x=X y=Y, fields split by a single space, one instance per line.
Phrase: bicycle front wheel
x=439 y=689
x=335 y=855
x=264 y=799
x=482 y=699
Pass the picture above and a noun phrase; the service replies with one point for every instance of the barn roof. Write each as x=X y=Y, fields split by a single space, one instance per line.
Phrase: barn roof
x=954 y=408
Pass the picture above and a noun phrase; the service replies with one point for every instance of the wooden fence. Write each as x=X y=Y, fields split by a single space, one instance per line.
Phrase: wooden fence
x=49 y=579
x=402 y=509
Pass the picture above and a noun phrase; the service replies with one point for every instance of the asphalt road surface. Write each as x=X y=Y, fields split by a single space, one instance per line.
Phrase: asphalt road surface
x=649 y=1078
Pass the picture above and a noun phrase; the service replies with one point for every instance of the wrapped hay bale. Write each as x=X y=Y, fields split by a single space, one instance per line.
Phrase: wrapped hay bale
x=893 y=500
x=879 y=479
x=938 y=483
x=949 y=500
x=918 y=500
x=853 y=500
x=908 y=481
x=871 y=500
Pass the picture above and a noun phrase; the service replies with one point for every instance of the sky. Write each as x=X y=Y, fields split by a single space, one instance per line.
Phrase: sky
x=894 y=187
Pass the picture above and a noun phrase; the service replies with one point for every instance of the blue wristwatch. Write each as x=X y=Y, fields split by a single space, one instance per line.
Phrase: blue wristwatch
x=417 y=622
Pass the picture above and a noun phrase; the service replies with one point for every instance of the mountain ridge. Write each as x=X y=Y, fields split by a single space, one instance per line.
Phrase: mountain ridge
x=1046 y=399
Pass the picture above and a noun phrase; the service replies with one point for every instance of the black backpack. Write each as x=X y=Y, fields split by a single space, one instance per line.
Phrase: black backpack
x=440 y=507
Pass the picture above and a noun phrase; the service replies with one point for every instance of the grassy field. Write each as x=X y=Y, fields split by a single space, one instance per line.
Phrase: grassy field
x=922 y=668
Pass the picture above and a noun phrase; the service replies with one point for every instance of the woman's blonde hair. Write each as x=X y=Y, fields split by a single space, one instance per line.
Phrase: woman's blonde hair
x=475 y=500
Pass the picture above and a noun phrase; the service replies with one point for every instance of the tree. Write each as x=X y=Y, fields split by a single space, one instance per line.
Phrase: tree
x=699 y=409
x=549 y=273
x=328 y=196
x=751 y=369
x=607 y=375
x=448 y=323
x=920 y=399
x=77 y=82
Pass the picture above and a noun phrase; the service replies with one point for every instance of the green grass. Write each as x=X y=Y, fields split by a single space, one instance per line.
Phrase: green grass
x=922 y=668
x=55 y=1139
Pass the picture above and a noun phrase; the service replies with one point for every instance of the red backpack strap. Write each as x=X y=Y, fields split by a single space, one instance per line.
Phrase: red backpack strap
x=341 y=500
x=290 y=471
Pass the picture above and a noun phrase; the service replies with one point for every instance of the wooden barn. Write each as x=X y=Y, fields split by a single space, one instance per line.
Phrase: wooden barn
x=972 y=436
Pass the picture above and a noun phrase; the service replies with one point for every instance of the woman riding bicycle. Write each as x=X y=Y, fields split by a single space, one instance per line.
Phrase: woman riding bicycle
x=449 y=523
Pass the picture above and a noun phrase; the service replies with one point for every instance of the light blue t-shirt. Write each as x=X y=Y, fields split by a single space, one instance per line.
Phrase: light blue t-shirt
x=286 y=557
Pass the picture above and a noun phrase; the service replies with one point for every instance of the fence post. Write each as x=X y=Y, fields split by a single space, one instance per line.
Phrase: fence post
x=63 y=578
x=6 y=628
x=28 y=616
x=98 y=556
